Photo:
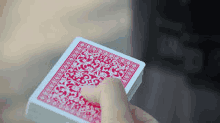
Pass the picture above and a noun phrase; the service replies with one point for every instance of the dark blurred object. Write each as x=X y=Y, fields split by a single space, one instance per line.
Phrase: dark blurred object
x=195 y=25
x=209 y=46
x=181 y=36
x=214 y=63
x=205 y=18
x=200 y=17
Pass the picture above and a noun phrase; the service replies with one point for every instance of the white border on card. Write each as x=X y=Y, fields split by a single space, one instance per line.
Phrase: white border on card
x=33 y=98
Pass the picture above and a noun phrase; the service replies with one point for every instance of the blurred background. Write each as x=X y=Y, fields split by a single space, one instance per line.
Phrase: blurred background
x=177 y=39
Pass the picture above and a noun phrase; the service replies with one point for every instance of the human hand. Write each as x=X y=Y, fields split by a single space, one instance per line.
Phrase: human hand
x=111 y=96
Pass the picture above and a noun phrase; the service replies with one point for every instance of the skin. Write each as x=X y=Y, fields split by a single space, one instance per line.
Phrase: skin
x=113 y=101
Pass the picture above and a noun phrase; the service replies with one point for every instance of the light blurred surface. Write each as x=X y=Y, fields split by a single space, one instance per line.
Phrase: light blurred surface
x=34 y=27
x=34 y=33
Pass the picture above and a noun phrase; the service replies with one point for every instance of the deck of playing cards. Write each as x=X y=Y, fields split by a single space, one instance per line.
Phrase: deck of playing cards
x=58 y=100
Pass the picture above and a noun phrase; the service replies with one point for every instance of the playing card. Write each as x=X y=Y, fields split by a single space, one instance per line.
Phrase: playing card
x=58 y=98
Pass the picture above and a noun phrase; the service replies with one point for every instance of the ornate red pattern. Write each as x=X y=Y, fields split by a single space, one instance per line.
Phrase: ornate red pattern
x=86 y=65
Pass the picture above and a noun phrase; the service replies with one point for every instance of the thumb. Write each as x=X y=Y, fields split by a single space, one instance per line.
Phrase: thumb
x=91 y=93
x=111 y=95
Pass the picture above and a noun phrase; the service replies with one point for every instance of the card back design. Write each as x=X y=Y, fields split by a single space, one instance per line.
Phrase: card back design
x=86 y=65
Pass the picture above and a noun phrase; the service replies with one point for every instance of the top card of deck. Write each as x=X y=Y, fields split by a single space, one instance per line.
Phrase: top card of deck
x=83 y=63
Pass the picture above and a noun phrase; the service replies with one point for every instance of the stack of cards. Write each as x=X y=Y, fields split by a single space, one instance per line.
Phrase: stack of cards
x=58 y=99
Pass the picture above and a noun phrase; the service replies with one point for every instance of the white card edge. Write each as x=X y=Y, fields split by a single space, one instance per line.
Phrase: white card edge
x=33 y=98
x=58 y=111
x=133 y=91
x=134 y=78
x=136 y=83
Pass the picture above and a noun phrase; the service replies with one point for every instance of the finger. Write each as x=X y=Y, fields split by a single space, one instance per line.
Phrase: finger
x=140 y=115
x=136 y=118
